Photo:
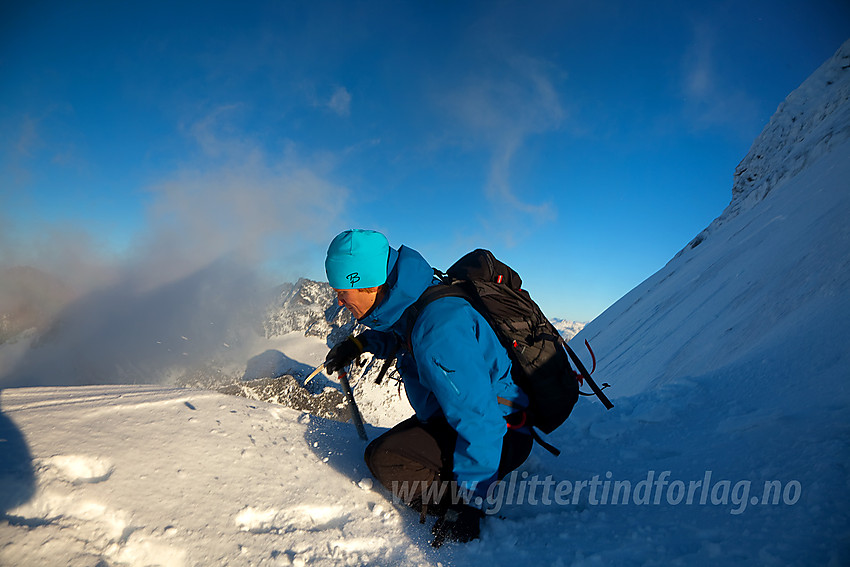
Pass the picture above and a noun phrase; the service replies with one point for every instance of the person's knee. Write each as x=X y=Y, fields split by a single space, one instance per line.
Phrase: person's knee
x=375 y=456
x=403 y=456
x=370 y=450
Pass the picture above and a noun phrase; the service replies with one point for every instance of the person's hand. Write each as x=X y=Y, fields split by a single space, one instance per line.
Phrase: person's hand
x=460 y=523
x=343 y=353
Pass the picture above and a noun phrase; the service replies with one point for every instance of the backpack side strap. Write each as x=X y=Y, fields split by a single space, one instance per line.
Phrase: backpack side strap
x=520 y=419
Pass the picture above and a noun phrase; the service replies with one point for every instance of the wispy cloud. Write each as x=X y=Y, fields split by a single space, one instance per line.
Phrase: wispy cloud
x=34 y=138
x=337 y=99
x=28 y=136
x=503 y=110
x=710 y=98
x=340 y=101
x=237 y=198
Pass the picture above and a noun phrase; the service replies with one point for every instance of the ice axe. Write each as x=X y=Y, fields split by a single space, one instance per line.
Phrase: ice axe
x=583 y=373
x=355 y=412
x=349 y=397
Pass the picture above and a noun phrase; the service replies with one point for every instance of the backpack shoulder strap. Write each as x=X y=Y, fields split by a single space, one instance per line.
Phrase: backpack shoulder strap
x=433 y=293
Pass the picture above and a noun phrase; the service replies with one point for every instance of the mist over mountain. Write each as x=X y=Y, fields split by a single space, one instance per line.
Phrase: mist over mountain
x=308 y=307
x=29 y=299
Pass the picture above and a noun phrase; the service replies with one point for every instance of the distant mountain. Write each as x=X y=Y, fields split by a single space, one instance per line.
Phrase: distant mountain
x=568 y=329
x=308 y=307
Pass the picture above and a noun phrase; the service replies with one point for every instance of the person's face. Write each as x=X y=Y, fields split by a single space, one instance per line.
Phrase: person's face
x=358 y=301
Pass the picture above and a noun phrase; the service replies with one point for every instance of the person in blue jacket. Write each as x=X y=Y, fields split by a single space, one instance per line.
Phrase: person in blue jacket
x=455 y=373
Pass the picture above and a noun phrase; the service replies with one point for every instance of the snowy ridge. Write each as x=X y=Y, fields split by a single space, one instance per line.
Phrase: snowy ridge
x=776 y=257
x=734 y=357
x=810 y=122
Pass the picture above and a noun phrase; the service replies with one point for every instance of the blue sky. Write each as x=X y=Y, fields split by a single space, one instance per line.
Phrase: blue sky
x=585 y=143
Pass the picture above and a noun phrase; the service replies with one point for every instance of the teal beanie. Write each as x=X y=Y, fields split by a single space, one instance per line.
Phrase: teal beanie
x=357 y=259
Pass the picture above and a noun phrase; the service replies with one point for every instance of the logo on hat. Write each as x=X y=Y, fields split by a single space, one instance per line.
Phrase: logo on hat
x=353 y=278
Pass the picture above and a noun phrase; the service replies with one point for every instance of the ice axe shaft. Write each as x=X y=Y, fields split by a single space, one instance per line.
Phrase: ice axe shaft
x=355 y=412
x=586 y=375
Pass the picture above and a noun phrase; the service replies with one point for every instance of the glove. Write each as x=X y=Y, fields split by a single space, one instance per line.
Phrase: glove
x=460 y=523
x=343 y=353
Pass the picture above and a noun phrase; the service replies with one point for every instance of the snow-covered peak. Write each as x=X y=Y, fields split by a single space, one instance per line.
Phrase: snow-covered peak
x=774 y=264
x=308 y=307
x=813 y=119
x=568 y=329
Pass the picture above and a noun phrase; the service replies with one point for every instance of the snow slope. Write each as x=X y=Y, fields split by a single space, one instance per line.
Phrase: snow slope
x=776 y=256
x=729 y=443
x=735 y=357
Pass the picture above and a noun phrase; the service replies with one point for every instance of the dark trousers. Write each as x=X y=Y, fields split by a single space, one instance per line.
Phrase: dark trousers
x=414 y=454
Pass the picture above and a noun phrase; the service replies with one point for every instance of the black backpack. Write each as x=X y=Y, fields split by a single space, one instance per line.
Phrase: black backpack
x=539 y=355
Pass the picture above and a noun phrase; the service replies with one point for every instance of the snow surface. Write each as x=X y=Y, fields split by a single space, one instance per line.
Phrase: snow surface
x=729 y=370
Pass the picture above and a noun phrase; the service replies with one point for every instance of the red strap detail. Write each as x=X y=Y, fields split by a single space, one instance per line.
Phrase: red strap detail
x=579 y=379
x=499 y=278
x=521 y=423
x=593 y=356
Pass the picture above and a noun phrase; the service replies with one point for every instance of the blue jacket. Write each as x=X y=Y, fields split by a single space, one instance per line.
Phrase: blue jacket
x=458 y=368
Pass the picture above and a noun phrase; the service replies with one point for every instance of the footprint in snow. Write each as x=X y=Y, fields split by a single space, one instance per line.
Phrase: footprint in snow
x=79 y=469
x=302 y=518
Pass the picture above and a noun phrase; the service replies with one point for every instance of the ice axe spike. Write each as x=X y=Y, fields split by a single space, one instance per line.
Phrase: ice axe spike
x=313 y=373
x=355 y=412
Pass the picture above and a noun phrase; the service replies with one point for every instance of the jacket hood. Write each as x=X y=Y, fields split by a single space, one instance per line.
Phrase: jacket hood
x=409 y=276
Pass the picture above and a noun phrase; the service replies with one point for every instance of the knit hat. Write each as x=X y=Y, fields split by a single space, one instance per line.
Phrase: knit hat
x=357 y=259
